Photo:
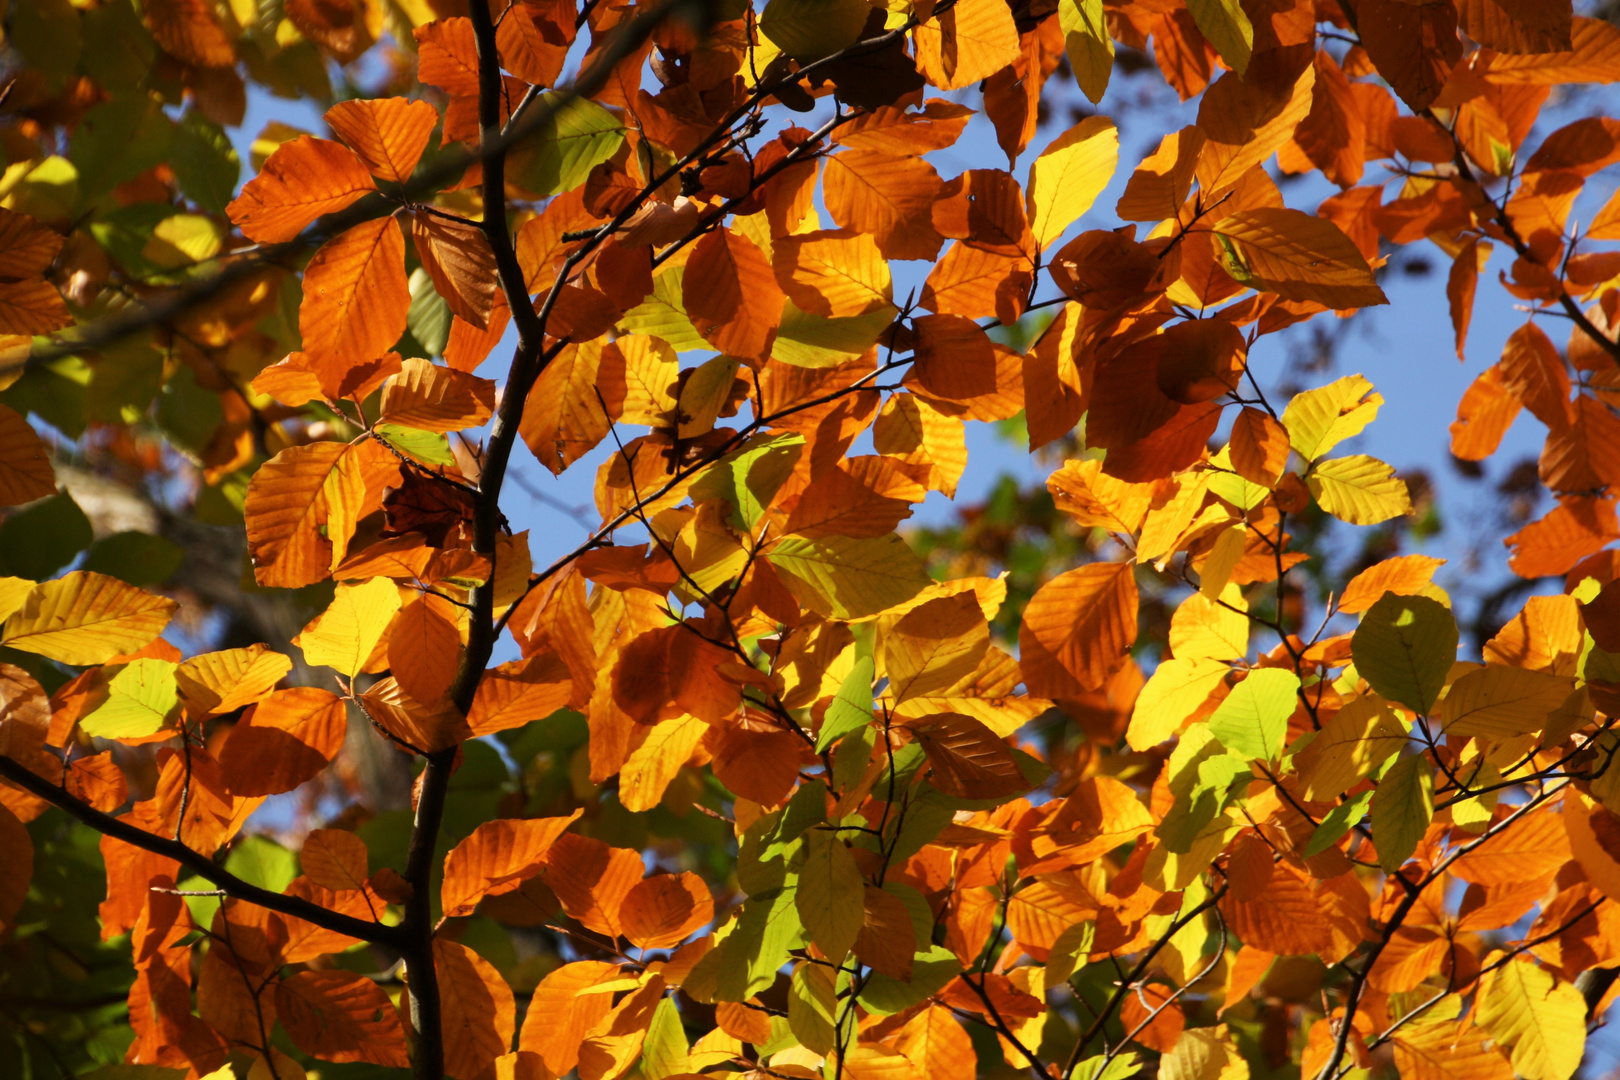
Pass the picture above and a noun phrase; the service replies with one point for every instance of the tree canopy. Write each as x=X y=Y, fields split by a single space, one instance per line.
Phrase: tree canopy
x=309 y=769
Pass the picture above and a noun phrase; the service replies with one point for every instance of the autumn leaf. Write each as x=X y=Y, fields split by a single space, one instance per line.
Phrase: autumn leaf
x=86 y=618
x=301 y=181
x=1077 y=628
x=497 y=858
x=1296 y=256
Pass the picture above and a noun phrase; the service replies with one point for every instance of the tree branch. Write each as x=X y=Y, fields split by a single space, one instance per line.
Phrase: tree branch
x=197 y=862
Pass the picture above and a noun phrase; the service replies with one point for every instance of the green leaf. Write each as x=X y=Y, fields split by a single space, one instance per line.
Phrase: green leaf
x=1253 y=720
x=1071 y=945
x=140 y=700
x=116 y=37
x=1102 y=1067
x=814 y=341
x=39 y=539
x=1405 y=647
x=1359 y=489
x=1087 y=41
x=665 y=1049
x=204 y=161
x=118 y=140
x=843 y=577
x=851 y=708
x=431 y=447
x=933 y=968
x=263 y=862
x=47 y=33
x=662 y=314
x=136 y=557
x=752 y=954
x=1224 y=24
x=807 y=807
x=1402 y=807
x=748 y=478
x=428 y=319
x=576 y=138
x=808 y=30
x=1340 y=820
x=831 y=895
x=812 y=1007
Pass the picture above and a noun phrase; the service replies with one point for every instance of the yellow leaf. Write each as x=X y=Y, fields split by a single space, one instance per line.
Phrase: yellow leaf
x=848 y=578
x=1359 y=489
x=971 y=41
x=1361 y=736
x=344 y=636
x=13 y=592
x=1448 y=1050
x=1202 y=629
x=831 y=894
x=932 y=647
x=1177 y=689
x=1542 y=1020
x=1500 y=702
x=86 y=618
x=1297 y=256
x=141 y=700
x=1069 y=175
x=1320 y=419
x=221 y=682
x=1089 y=45
x=654 y=763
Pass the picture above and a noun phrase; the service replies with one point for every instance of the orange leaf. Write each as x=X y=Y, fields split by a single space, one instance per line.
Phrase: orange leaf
x=563 y=418
x=388 y=134
x=1407 y=575
x=26 y=472
x=341 y=1016
x=285 y=506
x=433 y=398
x=356 y=295
x=424 y=647
x=448 y=55
x=1484 y=414
x=561 y=1013
x=1259 y=447
x=497 y=858
x=888 y=939
x=954 y=357
x=592 y=879
x=1077 y=628
x=738 y=305
x=519 y=692
x=887 y=197
x=665 y=909
x=1578 y=526
x=189 y=31
x=1413 y=47
x=284 y=740
x=479 y=1014
x=301 y=181
x=335 y=859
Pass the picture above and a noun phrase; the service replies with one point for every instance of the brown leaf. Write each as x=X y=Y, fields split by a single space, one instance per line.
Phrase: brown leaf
x=457 y=256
